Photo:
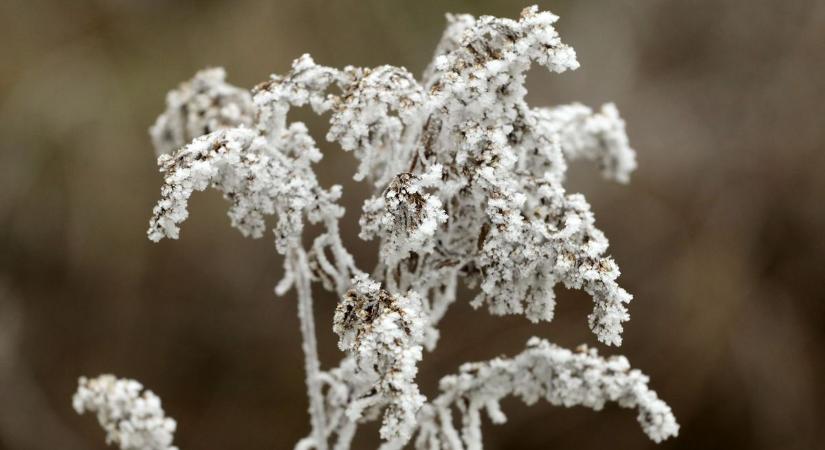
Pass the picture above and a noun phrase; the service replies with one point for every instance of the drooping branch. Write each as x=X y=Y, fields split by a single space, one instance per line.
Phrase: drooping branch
x=542 y=371
x=202 y=105
x=595 y=136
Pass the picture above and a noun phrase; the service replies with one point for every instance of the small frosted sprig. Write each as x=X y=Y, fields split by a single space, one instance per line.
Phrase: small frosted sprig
x=383 y=333
x=202 y=105
x=131 y=416
x=542 y=371
x=254 y=176
x=595 y=136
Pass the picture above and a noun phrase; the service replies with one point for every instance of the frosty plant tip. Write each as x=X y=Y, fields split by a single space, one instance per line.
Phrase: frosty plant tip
x=468 y=186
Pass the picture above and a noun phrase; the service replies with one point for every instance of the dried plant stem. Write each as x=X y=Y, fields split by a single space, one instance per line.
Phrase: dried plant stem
x=300 y=269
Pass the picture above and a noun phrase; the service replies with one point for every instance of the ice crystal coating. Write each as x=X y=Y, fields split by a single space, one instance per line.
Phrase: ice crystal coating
x=406 y=216
x=377 y=117
x=131 y=416
x=204 y=104
x=468 y=185
x=542 y=371
x=256 y=177
x=593 y=136
x=559 y=243
x=383 y=332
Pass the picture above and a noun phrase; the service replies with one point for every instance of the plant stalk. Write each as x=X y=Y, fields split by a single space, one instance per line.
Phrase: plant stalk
x=300 y=268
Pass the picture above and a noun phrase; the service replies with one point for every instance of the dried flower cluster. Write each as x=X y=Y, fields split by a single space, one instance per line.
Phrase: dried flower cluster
x=383 y=333
x=133 y=418
x=468 y=185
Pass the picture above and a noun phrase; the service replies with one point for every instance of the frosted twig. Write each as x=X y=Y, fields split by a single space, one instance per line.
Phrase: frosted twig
x=300 y=271
x=542 y=371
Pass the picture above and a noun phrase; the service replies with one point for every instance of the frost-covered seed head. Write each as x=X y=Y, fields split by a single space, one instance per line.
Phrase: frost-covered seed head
x=383 y=333
x=204 y=104
x=132 y=417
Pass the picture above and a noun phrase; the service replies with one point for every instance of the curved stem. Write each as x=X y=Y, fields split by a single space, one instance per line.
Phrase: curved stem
x=300 y=269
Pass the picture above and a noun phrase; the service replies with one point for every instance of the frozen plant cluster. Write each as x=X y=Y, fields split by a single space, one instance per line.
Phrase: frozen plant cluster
x=132 y=417
x=468 y=187
x=383 y=333
x=547 y=371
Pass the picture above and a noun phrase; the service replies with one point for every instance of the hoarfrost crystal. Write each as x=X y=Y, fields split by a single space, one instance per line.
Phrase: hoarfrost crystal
x=468 y=185
x=542 y=371
x=383 y=332
x=204 y=104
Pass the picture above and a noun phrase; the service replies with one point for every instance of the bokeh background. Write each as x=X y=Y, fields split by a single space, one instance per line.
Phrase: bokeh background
x=719 y=235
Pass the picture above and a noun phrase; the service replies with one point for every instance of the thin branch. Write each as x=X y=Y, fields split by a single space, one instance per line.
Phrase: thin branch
x=300 y=269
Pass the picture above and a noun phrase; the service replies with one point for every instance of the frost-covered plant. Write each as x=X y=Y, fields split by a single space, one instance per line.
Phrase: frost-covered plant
x=132 y=417
x=468 y=186
x=383 y=334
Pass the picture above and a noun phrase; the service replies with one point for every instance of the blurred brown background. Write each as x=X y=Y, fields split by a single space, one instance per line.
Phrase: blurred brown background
x=719 y=235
